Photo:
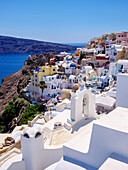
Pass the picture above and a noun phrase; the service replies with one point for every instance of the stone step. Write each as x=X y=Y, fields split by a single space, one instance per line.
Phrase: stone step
x=70 y=121
x=68 y=126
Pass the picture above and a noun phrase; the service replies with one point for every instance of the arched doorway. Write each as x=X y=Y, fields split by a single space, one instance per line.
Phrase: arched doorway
x=85 y=105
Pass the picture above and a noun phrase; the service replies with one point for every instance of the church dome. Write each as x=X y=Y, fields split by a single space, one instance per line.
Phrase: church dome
x=72 y=65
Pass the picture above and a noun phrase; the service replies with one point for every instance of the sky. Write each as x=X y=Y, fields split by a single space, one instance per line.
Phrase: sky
x=63 y=21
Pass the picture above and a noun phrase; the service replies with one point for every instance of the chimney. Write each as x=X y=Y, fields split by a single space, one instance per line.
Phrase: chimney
x=32 y=148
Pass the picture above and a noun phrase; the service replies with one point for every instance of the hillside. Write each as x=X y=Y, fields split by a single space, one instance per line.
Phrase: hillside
x=11 y=85
x=19 y=45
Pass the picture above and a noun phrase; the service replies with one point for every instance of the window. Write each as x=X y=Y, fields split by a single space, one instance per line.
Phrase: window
x=122 y=35
x=26 y=135
x=35 y=79
x=35 y=75
x=119 y=35
x=117 y=41
x=33 y=84
x=43 y=70
x=53 y=69
x=37 y=135
x=114 y=53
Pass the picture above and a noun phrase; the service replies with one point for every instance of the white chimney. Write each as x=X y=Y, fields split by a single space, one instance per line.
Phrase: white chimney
x=32 y=148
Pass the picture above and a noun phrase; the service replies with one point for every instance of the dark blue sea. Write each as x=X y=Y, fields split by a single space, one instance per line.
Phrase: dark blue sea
x=10 y=63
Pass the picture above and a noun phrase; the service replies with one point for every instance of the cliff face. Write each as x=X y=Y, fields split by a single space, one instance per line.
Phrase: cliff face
x=12 y=84
x=19 y=45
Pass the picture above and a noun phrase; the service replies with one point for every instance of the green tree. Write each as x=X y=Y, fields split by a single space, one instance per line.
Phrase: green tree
x=42 y=85
x=80 y=58
x=12 y=110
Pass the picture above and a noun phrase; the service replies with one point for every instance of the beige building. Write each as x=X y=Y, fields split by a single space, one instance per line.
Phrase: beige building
x=121 y=54
x=39 y=73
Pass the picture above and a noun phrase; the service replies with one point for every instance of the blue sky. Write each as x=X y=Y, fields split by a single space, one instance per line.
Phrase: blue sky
x=62 y=20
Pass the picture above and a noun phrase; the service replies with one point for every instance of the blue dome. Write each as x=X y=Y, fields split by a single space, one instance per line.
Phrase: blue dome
x=72 y=65
x=37 y=69
x=69 y=59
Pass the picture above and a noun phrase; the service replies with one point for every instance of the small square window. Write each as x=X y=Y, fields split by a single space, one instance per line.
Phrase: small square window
x=53 y=69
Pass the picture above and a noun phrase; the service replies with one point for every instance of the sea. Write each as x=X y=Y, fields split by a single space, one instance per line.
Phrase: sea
x=11 y=63
x=77 y=44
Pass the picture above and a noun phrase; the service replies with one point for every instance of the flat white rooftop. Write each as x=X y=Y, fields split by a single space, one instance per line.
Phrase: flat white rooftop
x=94 y=146
x=63 y=165
x=81 y=141
x=122 y=62
x=114 y=164
x=117 y=120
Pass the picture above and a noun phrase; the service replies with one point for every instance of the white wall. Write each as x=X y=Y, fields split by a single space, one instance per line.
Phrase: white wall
x=32 y=149
x=104 y=142
x=112 y=67
x=20 y=165
x=122 y=90
x=52 y=156
x=102 y=71
x=35 y=156
x=68 y=71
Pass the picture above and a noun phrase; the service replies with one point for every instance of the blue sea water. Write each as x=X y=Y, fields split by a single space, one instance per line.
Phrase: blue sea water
x=10 y=63
x=77 y=44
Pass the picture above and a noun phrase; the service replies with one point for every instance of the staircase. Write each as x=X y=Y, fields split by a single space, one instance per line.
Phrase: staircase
x=69 y=124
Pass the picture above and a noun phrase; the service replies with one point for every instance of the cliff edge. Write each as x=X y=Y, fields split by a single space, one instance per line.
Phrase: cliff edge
x=11 y=85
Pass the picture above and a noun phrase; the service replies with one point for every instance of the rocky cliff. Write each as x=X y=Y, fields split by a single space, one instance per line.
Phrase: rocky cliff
x=11 y=85
x=19 y=45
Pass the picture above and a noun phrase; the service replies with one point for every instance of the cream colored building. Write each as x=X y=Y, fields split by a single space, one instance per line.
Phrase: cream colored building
x=46 y=71
x=39 y=73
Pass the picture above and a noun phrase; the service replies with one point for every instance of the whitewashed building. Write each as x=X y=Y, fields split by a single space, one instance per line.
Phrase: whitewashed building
x=101 y=146
x=121 y=90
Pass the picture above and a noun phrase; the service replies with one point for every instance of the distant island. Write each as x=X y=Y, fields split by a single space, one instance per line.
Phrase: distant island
x=20 y=45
